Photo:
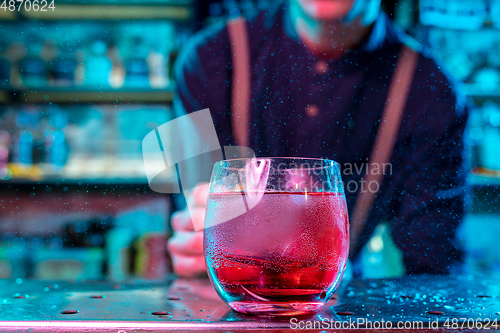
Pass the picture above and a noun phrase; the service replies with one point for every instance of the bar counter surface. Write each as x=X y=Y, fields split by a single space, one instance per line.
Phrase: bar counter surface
x=440 y=303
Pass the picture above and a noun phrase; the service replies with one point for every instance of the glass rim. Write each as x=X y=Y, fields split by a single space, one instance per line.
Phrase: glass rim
x=313 y=159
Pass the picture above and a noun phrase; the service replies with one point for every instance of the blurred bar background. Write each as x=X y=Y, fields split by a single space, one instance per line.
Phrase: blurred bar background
x=81 y=85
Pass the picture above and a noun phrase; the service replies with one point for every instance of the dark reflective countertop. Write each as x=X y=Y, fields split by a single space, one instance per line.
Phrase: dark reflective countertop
x=192 y=305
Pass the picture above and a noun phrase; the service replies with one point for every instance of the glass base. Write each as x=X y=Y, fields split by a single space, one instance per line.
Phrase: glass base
x=276 y=308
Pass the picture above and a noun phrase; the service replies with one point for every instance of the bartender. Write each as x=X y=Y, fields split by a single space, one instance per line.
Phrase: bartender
x=320 y=78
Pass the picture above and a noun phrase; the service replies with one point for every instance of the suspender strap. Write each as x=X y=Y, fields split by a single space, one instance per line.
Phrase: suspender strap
x=386 y=137
x=388 y=130
x=240 y=94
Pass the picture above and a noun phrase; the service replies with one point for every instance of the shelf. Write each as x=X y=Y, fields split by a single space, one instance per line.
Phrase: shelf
x=479 y=91
x=4 y=97
x=127 y=2
x=80 y=182
x=80 y=95
x=80 y=174
x=481 y=181
x=108 y=10
x=96 y=185
x=111 y=12
x=6 y=15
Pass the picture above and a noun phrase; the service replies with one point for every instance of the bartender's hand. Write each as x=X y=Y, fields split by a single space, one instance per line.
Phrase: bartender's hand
x=186 y=244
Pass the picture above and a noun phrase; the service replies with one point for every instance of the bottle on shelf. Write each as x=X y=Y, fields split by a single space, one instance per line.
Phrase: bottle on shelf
x=5 y=65
x=27 y=145
x=23 y=142
x=117 y=76
x=248 y=7
x=490 y=147
x=495 y=13
x=453 y=14
x=5 y=141
x=32 y=68
x=136 y=66
x=118 y=251
x=63 y=67
x=97 y=65
x=56 y=147
x=158 y=66
x=151 y=256
x=232 y=8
